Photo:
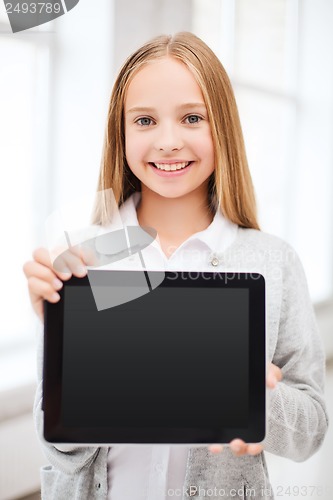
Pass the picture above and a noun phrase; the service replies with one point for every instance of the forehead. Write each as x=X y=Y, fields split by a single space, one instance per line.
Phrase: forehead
x=164 y=80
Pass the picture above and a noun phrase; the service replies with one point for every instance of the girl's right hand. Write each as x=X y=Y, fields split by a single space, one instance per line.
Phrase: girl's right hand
x=44 y=281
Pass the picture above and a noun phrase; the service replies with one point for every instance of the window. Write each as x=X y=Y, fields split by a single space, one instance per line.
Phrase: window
x=23 y=137
x=278 y=65
x=53 y=101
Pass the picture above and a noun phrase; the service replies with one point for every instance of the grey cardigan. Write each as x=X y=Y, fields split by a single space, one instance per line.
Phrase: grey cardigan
x=296 y=415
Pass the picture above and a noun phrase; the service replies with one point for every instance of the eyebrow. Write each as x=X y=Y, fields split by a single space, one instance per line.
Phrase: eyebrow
x=143 y=109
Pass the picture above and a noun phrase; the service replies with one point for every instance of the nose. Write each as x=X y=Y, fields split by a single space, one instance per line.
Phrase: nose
x=168 y=138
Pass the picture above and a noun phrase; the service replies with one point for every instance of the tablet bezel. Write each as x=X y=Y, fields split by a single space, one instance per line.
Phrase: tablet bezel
x=55 y=432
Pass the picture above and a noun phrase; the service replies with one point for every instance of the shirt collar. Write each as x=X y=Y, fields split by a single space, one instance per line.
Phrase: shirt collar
x=216 y=237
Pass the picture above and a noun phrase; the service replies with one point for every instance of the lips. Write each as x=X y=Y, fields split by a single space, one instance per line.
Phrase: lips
x=171 y=167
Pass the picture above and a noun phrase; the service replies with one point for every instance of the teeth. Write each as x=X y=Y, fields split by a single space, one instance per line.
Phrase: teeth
x=171 y=166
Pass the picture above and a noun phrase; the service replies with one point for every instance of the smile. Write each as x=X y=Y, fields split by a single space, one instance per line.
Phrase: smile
x=168 y=167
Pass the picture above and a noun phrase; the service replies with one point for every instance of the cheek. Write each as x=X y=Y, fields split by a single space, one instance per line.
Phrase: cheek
x=134 y=148
x=205 y=148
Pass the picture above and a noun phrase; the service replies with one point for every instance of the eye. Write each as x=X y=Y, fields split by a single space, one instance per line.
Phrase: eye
x=193 y=119
x=144 y=121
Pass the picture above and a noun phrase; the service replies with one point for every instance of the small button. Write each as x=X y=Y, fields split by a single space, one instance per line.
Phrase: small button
x=214 y=261
x=97 y=486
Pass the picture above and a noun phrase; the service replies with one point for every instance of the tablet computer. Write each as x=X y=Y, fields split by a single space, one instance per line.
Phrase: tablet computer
x=183 y=363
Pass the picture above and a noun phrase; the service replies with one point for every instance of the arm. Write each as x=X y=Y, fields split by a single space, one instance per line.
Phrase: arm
x=297 y=417
x=296 y=412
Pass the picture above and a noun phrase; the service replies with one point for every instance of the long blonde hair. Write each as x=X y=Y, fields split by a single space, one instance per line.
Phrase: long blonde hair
x=230 y=185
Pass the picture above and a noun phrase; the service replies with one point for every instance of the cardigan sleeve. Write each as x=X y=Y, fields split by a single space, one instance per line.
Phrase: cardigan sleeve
x=297 y=417
x=68 y=459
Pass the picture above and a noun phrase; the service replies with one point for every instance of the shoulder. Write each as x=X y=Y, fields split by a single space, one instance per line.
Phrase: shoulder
x=266 y=244
x=265 y=253
x=261 y=239
x=276 y=255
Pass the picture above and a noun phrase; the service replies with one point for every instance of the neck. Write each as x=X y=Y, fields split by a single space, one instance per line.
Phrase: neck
x=174 y=219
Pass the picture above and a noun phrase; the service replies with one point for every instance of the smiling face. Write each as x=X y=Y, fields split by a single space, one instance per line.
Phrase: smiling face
x=168 y=141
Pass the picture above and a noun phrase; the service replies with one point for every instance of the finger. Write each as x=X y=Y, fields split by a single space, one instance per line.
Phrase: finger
x=238 y=447
x=271 y=378
x=215 y=448
x=43 y=273
x=277 y=372
x=70 y=261
x=274 y=376
x=271 y=381
x=42 y=256
x=61 y=267
x=42 y=289
x=88 y=255
x=254 y=449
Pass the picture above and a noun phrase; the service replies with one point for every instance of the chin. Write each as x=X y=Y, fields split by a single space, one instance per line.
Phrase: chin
x=172 y=194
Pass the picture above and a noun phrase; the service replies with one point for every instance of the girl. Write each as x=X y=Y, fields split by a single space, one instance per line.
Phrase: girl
x=175 y=159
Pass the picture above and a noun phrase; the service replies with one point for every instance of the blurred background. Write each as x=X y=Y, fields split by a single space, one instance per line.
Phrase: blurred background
x=55 y=83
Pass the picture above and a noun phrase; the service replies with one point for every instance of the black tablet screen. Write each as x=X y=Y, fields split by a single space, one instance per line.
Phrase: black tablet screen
x=185 y=340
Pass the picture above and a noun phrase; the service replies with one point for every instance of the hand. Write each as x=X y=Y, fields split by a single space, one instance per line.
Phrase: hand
x=238 y=446
x=44 y=281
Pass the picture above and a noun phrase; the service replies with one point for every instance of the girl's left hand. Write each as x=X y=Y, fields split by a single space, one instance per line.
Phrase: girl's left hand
x=239 y=447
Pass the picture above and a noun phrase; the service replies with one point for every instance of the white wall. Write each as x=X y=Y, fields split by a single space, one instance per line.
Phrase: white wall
x=148 y=18
x=82 y=78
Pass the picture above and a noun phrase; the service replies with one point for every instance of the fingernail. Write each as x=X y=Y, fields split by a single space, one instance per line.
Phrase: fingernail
x=81 y=271
x=65 y=270
x=217 y=448
x=55 y=296
x=237 y=447
x=57 y=284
